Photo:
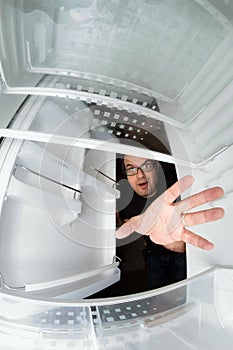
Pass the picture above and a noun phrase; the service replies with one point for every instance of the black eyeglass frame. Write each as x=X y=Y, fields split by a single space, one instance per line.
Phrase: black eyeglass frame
x=154 y=163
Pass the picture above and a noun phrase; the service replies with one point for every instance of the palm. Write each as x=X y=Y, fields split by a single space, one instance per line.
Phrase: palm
x=162 y=221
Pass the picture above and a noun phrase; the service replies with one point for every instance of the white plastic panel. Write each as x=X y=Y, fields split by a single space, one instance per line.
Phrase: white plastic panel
x=63 y=208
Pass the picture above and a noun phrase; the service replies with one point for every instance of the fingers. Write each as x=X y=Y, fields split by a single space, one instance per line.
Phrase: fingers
x=202 y=197
x=195 y=240
x=128 y=227
x=179 y=187
x=203 y=216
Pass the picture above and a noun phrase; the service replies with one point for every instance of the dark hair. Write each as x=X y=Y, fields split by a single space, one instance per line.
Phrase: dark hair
x=120 y=167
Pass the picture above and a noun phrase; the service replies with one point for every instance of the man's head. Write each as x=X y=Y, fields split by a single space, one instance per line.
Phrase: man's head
x=142 y=175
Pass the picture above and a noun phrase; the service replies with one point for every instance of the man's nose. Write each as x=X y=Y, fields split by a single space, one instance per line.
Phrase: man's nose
x=140 y=173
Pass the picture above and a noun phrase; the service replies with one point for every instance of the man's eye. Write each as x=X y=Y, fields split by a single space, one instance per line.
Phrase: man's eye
x=131 y=170
x=147 y=165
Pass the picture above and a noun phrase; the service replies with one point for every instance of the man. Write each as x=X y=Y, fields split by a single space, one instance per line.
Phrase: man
x=155 y=214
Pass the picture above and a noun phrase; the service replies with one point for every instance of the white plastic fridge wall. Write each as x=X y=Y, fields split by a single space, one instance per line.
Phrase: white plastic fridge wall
x=46 y=224
x=193 y=314
x=216 y=170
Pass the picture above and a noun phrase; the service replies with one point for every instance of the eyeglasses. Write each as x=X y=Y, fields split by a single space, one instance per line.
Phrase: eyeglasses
x=146 y=168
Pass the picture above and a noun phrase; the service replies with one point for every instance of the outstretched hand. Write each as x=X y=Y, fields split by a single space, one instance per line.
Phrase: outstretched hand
x=165 y=221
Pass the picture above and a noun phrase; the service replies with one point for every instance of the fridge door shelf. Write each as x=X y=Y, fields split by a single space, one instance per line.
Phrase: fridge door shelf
x=77 y=286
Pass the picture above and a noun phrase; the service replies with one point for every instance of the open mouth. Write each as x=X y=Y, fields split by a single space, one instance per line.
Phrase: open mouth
x=143 y=184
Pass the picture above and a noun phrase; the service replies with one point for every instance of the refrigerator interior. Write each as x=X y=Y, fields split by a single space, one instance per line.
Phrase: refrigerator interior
x=82 y=81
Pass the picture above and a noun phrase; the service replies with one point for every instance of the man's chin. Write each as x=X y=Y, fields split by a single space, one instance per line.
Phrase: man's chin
x=143 y=193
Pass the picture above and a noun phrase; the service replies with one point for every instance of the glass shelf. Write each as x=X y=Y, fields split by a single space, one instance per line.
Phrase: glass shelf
x=196 y=313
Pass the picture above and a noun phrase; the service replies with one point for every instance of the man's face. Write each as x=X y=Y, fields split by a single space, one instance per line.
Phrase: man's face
x=144 y=183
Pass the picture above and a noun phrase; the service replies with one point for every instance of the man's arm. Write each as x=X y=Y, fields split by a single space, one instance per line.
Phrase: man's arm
x=165 y=221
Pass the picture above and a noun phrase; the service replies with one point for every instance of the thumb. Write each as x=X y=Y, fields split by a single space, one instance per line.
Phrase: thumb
x=128 y=227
